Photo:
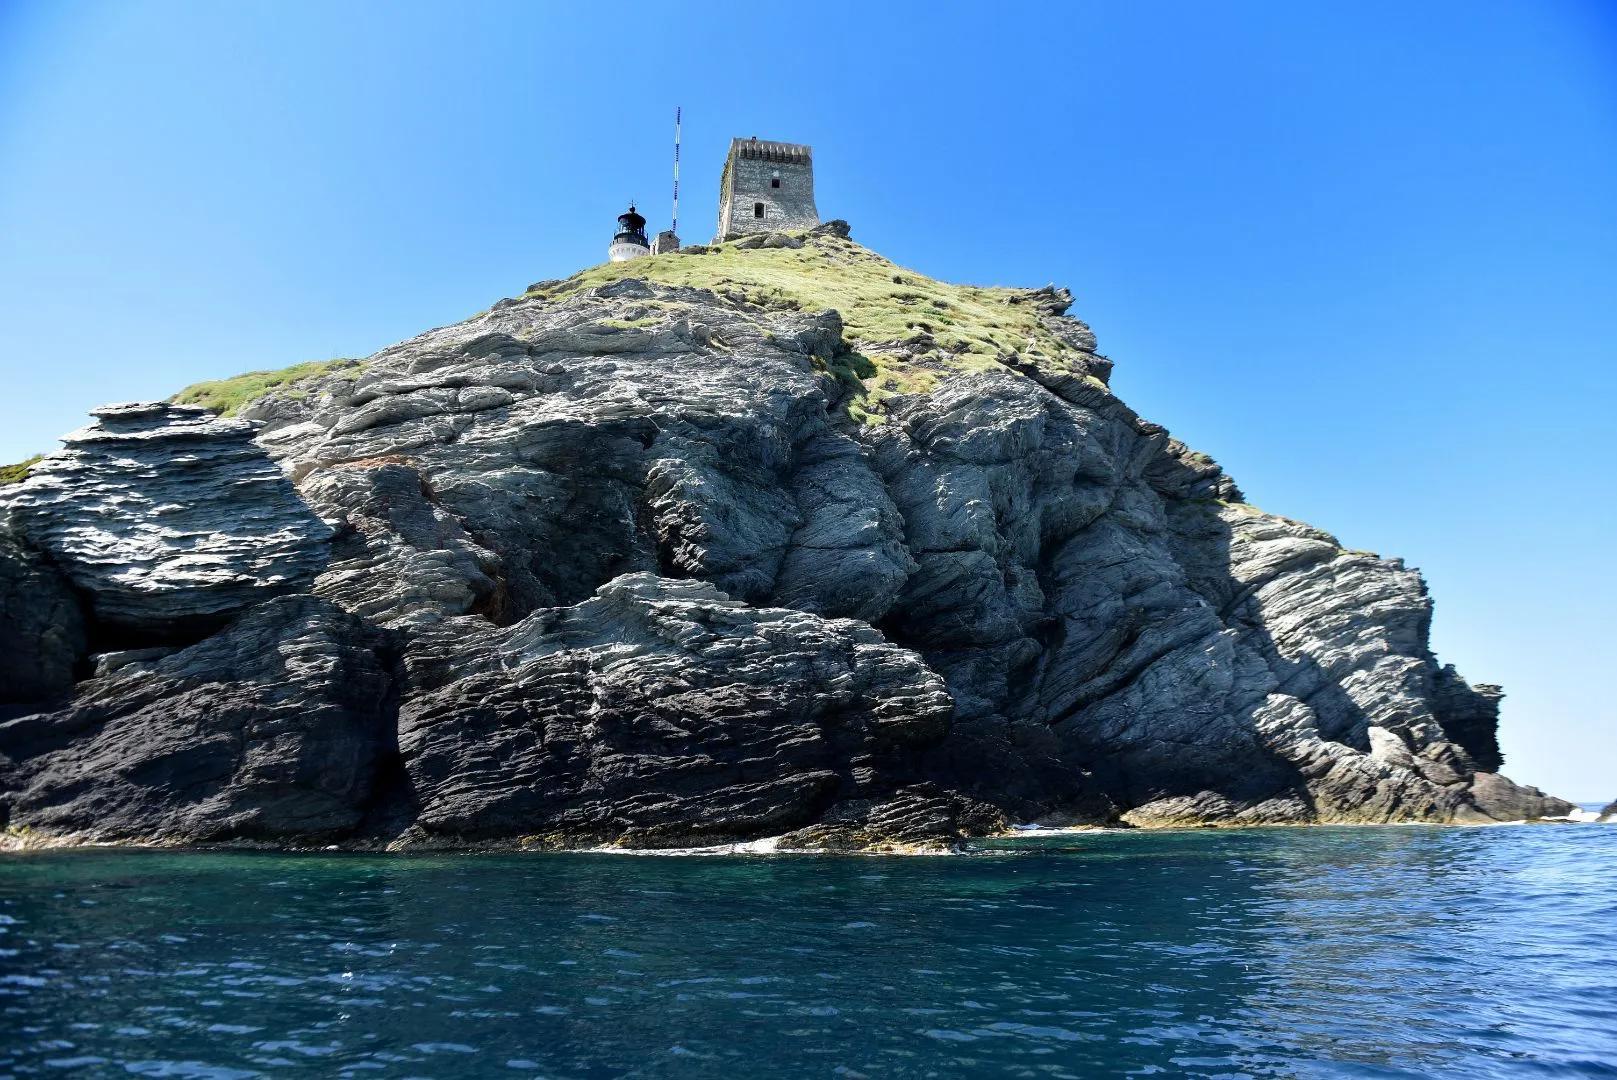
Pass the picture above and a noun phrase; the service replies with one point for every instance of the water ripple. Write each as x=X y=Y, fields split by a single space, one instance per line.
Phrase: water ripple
x=1326 y=953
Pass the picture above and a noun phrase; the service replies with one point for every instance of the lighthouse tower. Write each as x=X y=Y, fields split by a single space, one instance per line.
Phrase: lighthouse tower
x=629 y=242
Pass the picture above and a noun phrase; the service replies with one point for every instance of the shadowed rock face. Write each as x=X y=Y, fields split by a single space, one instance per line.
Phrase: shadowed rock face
x=271 y=729
x=628 y=569
x=42 y=634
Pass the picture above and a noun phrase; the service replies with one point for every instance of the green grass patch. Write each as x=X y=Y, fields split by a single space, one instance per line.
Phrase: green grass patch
x=227 y=396
x=636 y=323
x=16 y=474
x=828 y=272
x=907 y=329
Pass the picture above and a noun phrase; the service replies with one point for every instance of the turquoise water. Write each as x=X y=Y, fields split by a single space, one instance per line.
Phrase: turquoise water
x=1304 y=952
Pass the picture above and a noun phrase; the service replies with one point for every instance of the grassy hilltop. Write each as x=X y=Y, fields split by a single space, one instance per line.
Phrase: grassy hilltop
x=908 y=327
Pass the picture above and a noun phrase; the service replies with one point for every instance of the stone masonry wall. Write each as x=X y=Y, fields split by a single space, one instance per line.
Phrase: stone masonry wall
x=748 y=172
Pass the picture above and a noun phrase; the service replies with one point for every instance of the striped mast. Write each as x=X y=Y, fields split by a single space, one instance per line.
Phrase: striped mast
x=677 y=118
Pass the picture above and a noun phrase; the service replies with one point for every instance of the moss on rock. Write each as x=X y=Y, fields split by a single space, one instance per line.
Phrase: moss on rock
x=16 y=474
x=909 y=326
x=228 y=396
x=908 y=329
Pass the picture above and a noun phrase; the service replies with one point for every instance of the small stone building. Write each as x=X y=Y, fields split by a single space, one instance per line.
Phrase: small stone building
x=766 y=187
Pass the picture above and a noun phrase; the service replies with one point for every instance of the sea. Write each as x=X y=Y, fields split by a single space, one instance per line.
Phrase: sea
x=1397 y=951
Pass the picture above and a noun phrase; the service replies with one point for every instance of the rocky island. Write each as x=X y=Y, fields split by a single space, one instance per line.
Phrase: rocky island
x=767 y=538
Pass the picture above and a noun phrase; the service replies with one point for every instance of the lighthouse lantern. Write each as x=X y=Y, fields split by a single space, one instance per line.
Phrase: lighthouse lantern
x=629 y=242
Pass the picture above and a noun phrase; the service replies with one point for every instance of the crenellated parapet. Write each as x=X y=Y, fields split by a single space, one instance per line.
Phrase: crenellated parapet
x=766 y=187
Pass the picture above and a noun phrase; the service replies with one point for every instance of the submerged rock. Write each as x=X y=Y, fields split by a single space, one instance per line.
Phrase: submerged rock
x=665 y=564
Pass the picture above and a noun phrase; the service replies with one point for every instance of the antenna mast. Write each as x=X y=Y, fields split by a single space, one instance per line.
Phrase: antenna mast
x=677 y=111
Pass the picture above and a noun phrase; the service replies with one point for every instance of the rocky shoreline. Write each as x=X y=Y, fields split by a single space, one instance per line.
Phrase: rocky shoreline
x=22 y=842
x=664 y=562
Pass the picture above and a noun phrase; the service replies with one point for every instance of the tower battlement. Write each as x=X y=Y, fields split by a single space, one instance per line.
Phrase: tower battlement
x=766 y=187
x=760 y=150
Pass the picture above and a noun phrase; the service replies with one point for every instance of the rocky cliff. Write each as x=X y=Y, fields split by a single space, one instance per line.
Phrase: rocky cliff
x=767 y=538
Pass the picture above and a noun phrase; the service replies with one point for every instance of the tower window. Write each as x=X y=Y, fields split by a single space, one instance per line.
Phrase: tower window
x=774 y=181
x=757 y=209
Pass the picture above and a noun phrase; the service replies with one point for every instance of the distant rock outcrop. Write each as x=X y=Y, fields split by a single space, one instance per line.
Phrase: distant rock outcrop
x=688 y=557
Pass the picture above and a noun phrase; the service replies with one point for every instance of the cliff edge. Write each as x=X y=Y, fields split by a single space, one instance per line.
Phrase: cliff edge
x=766 y=538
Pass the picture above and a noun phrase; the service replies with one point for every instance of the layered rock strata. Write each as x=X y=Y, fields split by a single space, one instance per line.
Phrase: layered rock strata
x=272 y=729
x=658 y=709
x=642 y=561
x=167 y=519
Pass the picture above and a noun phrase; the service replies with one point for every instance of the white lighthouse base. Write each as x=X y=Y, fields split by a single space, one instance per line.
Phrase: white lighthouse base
x=625 y=252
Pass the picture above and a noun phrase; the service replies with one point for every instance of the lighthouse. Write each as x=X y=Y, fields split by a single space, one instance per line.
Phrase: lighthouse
x=629 y=242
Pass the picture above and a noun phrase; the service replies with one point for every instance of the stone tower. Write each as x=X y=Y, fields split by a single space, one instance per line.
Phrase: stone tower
x=766 y=187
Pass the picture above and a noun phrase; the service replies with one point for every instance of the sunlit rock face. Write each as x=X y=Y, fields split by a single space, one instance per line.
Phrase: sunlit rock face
x=671 y=552
x=165 y=518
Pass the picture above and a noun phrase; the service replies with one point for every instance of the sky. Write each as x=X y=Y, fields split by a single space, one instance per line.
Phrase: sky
x=1363 y=254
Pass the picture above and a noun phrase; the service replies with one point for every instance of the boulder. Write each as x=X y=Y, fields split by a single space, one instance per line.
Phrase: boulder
x=1501 y=799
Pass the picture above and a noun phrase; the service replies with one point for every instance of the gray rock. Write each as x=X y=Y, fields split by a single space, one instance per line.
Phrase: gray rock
x=1469 y=715
x=109 y=662
x=1052 y=299
x=165 y=517
x=658 y=711
x=1500 y=799
x=271 y=729
x=771 y=240
x=42 y=637
x=1118 y=631
x=652 y=584
x=399 y=557
x=918 y=818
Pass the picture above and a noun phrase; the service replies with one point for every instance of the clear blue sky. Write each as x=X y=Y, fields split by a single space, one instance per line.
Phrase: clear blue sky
x=1364 y=254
